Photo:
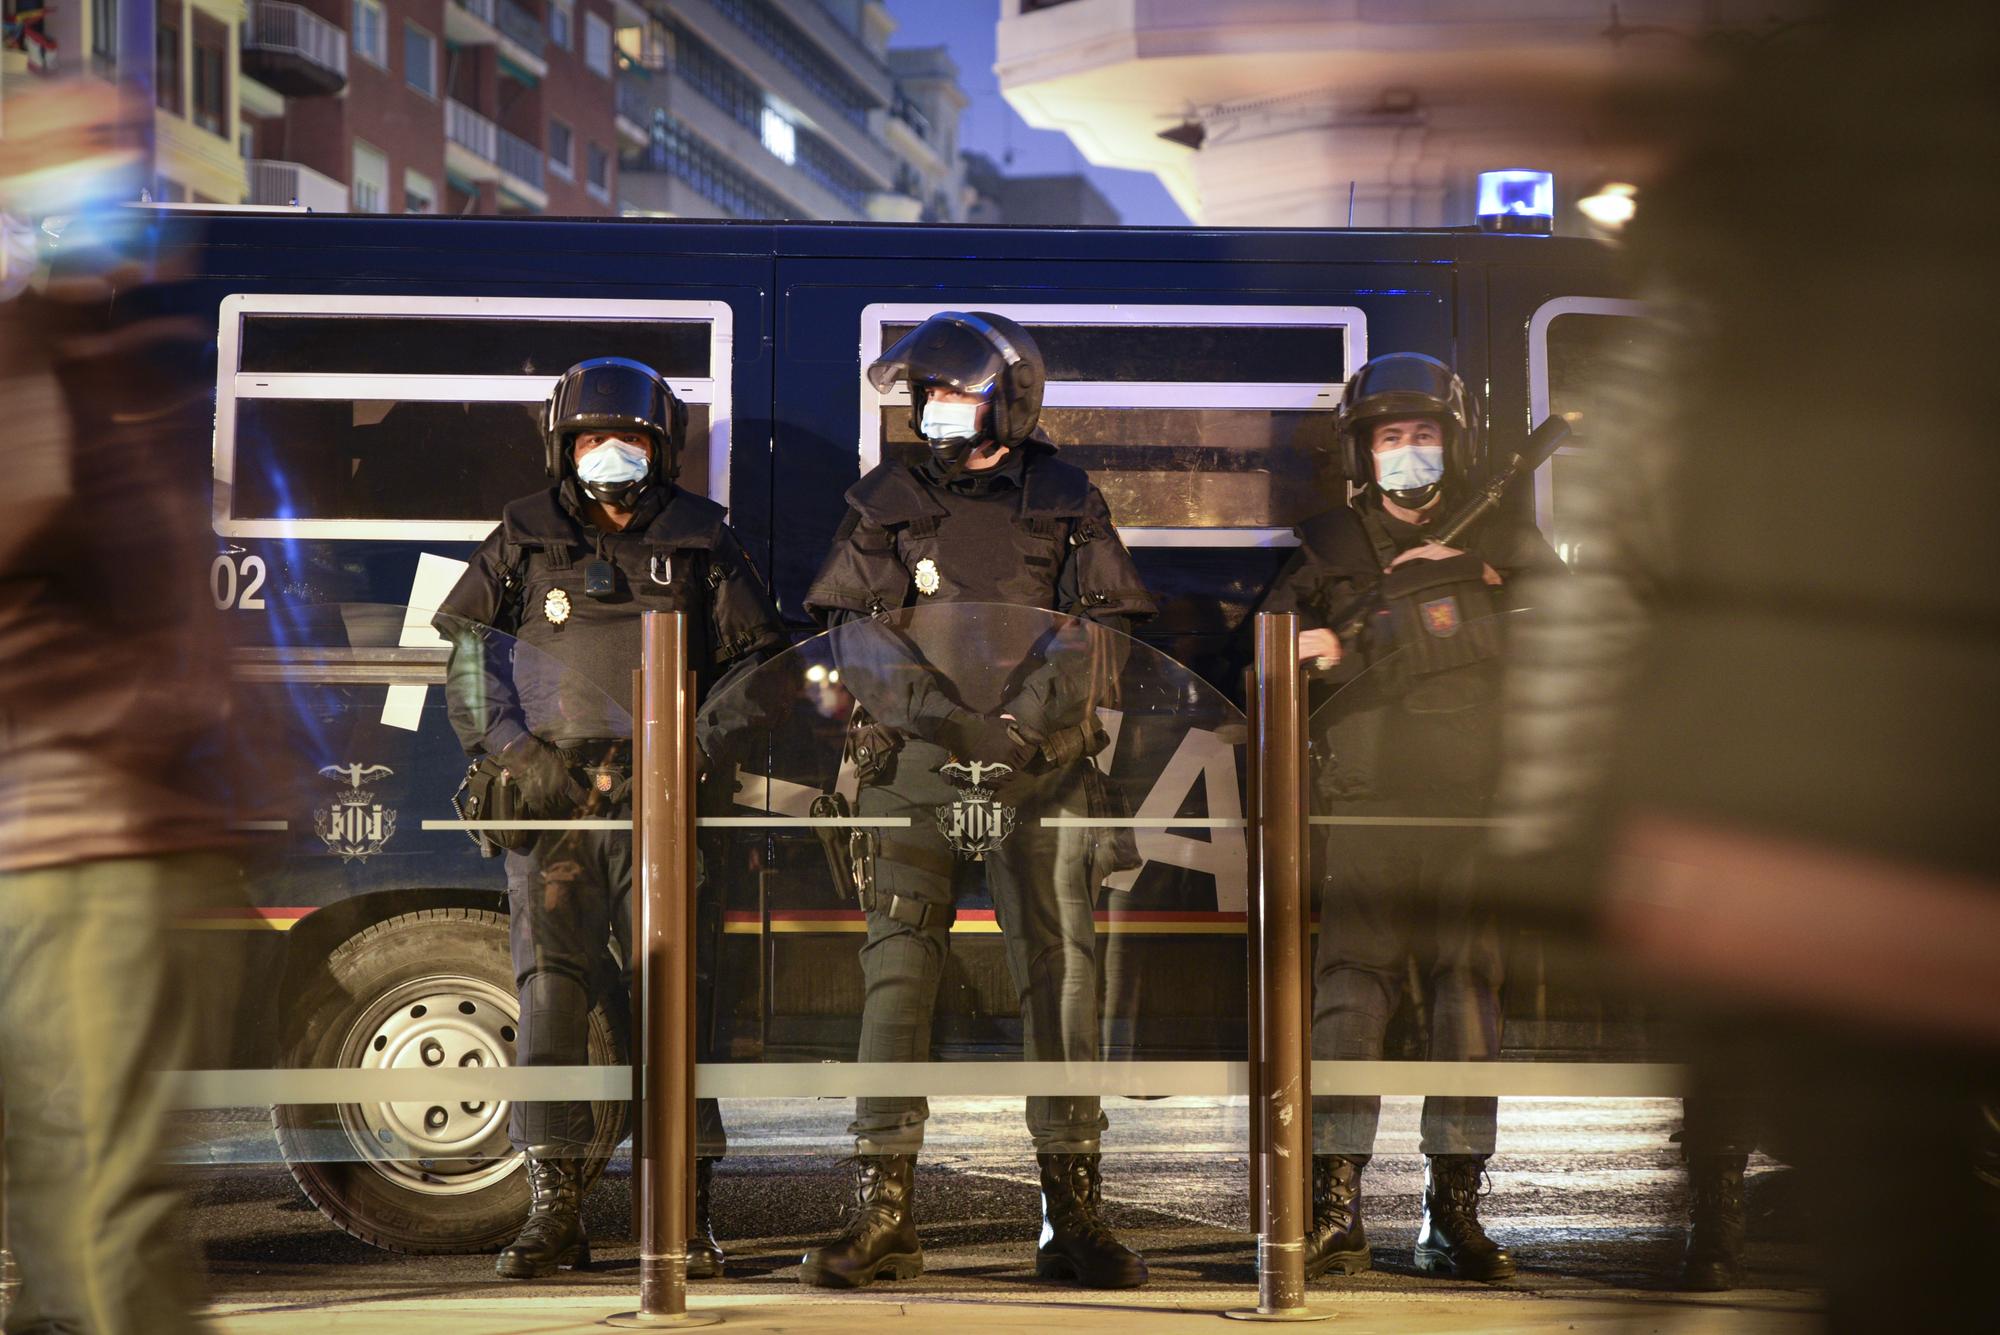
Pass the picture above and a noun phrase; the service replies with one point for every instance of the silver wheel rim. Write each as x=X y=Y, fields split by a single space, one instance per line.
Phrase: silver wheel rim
x=435 y=1149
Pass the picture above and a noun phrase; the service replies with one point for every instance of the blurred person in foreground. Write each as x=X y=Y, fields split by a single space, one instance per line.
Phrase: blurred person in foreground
x=113 y=812
x=1789 y=666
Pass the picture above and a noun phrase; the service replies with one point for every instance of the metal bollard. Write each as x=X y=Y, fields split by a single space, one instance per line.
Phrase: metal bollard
x=1280 y=1034
x=663 y=834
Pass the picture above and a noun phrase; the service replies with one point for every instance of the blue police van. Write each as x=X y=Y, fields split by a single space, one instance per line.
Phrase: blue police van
x=377 y=392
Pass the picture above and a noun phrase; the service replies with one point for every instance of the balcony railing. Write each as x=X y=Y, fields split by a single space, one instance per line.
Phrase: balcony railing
x=471 y=131
x=520 y=159
x=521 y=27
x=294 y=183
x=634 y=100
x=294 y=50
x=479 y=9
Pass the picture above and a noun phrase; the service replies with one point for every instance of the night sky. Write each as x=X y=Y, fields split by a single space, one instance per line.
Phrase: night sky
x=992 y=127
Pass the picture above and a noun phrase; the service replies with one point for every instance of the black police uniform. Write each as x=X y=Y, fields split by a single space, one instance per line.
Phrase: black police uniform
x=1032 y=532
x=1416 y=738
x=569 y=683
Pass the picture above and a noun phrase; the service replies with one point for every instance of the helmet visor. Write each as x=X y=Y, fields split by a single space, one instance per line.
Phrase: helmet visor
x=941 y=352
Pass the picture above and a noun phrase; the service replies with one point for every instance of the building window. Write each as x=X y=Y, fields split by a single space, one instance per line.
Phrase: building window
x=562 y=23
x=420 y=69
x=371 y=179
x=779 y=136
x=799 y=54
x=562 y=150
x=104 y=36
x=212 y=60
x=597 y=44
x=419 y=192
x=371 y=33
x=673 y=150
x=167 y=59
x=600 y=172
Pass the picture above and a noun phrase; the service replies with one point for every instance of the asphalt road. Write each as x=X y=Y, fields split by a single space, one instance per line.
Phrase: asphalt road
x=1588 y=1195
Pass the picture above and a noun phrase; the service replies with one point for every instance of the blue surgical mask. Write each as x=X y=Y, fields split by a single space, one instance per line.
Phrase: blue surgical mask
x=613 y=463
x=950 y=421
x=1409 y=467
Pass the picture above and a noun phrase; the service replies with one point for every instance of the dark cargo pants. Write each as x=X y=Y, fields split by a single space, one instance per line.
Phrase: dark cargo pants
x=568 y=895
x=97 y=990
x=1386 y=894
x=1041 y=889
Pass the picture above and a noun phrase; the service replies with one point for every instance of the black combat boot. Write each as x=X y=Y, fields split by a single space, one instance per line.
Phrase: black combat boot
x=1714 y=1259
x=704 y=1252
x=1451 y=1243
x=1075 y=1242
x=880 y=1240
x=1337 y=1241
x=553 y=1236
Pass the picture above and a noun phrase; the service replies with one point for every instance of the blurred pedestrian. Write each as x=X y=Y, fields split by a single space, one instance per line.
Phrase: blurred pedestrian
x=114 y=812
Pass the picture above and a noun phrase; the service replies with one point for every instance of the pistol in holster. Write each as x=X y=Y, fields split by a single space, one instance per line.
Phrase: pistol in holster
x=488 y=792
x=850 y=851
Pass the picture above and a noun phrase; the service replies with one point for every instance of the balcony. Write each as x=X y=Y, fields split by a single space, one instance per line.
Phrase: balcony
x=635 y=109
x=471 y=23
x=293 y=50
x=524 y=37
x=521 y=165
x=285 y=183
x=520 y=35
x=472 y=143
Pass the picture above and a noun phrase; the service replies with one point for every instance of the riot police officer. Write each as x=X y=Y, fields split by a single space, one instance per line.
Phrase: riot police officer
x=989 y=515
x=567 y=574
x=1416 y=738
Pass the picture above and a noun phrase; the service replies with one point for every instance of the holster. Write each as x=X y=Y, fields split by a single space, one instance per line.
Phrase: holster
x=488 y=792
x=850 y=850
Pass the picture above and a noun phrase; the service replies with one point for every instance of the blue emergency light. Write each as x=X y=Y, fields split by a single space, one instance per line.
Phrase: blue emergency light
x=1517 y=200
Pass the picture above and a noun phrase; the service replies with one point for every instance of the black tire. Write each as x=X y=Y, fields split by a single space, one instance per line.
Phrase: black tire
x=474 y=1203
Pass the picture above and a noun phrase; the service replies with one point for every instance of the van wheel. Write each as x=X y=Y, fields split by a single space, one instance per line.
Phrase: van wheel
x=431 y=988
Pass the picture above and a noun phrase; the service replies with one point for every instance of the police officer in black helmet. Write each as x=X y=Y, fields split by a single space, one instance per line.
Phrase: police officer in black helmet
x=1416 y=738
x=567 y=575
x=989 y=515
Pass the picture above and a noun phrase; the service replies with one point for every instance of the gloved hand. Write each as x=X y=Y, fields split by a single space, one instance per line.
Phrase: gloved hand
x=549 y=791
x=988 y=740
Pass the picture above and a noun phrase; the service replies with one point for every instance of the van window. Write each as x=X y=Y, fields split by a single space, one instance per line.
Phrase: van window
x=1572 y=343
x=1197 y=423
x=419 y=418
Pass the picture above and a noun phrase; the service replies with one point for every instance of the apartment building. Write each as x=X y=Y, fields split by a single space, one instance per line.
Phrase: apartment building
x=197 y=123
x=427 y=106
x=783 y=109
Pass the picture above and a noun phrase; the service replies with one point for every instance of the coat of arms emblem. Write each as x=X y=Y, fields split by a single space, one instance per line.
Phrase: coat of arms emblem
x=976 y=823
x=355 y=825
x=1441 y=617
x=556 y=607
x=928 y=579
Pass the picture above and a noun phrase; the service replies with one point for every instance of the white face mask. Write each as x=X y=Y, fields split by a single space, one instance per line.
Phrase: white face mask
x=950 y=421
x=614 y=462
x=1409 y=467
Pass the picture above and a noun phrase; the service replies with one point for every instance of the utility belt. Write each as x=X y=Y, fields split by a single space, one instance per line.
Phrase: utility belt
x=603 y=766
x=851 y=851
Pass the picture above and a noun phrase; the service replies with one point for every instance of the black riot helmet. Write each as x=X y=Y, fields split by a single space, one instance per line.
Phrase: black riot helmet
x=613 y=394
x=974 y=352
x=1406 y=384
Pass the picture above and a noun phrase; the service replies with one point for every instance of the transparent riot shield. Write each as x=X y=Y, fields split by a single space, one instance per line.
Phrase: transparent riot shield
x=1464 y=986
x=985 y=854
x=377 y=1047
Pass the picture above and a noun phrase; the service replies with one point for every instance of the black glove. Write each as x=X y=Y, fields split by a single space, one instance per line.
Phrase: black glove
x=990 y=741
x=549 y=791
